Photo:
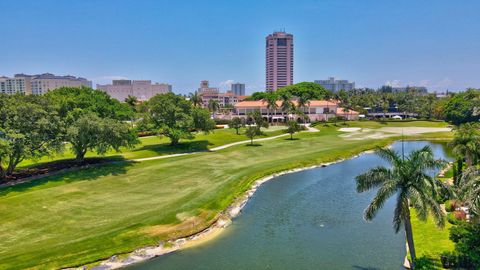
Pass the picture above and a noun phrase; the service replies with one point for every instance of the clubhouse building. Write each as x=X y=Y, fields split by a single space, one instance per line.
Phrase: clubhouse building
x=316 y=110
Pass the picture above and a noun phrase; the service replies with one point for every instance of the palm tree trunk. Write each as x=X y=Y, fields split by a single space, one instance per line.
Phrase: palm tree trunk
x=409 y=236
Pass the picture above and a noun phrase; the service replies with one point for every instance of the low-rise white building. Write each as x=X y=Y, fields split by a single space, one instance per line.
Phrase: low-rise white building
x=40 y=83
x=141 y=89
x=316 y=110
x=336 y=85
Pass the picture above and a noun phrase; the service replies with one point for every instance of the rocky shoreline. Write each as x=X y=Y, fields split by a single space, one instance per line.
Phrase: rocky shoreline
x=223 y=221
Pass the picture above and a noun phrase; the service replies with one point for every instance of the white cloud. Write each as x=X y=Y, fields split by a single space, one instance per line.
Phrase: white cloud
x=432 y=86
x=394 y=83
x=227 y=83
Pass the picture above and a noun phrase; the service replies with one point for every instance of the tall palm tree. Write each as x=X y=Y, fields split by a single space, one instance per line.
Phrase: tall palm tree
x=131 y=101
x=409 y=182
x=466 y=143
x=302 y=103
x=469 y=190
x=328 y=96
x=271 y=99
x=287 y=104
x=213 y=105
x=196 y=99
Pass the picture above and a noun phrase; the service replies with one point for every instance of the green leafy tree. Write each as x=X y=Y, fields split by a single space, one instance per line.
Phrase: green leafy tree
x=466 y=144
x=463 y=107
x=173 y=117
x=90 y=132
x=202 y=120
x=258 y=119
x=255 y=130
x=251 y=132
x=408 y=180
x=309 y=90
x=466 y=237
x=236 y=124
x=292 y=128
x=30 y=128
x=71 y=100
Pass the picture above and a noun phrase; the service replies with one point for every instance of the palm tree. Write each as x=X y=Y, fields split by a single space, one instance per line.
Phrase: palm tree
x=287 y=104
x=131 y=101
x=408 y=181
x=303 y=102
x=213 y=105
x=466 y=144
x=271 y=99
x=469 y=190
x=328 y=96
x=196 y=99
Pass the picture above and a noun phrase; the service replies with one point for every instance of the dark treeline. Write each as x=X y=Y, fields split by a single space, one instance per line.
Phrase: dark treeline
x=457 y=108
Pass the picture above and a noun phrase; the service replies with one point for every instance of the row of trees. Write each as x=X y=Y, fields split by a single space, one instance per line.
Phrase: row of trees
x=409 y=181
x=456 y=108
x=35 y=126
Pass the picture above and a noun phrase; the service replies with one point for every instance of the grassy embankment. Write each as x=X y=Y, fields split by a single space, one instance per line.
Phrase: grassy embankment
x=430 y=241
x=82 y=216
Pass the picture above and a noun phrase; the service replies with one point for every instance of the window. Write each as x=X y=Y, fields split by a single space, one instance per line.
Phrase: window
x=282 y=42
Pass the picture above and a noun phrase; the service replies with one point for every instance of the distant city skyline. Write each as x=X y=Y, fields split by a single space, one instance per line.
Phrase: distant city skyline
x=422 y=43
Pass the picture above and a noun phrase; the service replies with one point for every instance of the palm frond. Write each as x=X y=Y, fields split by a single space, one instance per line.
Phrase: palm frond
x=389 y=155
x=372 y=179
x=401 y=211
x=384 y=192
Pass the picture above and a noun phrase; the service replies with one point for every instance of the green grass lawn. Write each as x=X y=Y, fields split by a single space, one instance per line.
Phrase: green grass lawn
x=430 y=241
x=82 y=216
x=155 y=146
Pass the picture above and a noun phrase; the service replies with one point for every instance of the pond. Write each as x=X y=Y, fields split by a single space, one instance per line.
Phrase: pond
x=306 y=220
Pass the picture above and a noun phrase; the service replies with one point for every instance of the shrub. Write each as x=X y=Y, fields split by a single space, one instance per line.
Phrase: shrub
x=451 y=205
x=424 y=263
x=453 y=260
x=222 y=121
x=456 y=217
x=449 y=259
x=460 y=215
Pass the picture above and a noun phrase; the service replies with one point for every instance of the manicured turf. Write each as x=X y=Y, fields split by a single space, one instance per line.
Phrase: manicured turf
x=431 y=241
x=155 y=146
x=83 y=216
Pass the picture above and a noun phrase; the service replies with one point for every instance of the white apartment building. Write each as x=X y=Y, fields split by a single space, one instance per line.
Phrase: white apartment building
x=141 y=89
x=15 y=85
x=39 y=84
x=336 y=85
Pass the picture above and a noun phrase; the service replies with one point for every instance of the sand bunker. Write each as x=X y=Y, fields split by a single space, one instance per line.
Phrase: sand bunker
x=356 y=133
x=352 y=129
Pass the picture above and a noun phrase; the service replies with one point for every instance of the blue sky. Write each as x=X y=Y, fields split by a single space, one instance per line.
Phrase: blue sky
x=431 y=43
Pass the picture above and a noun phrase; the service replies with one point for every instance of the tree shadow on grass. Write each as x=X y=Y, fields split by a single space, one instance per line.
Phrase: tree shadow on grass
x=115 y=165
x=253 y=145
x=181 y=147
x=292 y=139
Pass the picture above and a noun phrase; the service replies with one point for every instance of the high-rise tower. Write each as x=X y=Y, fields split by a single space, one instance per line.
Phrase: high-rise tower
x=279 y=60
